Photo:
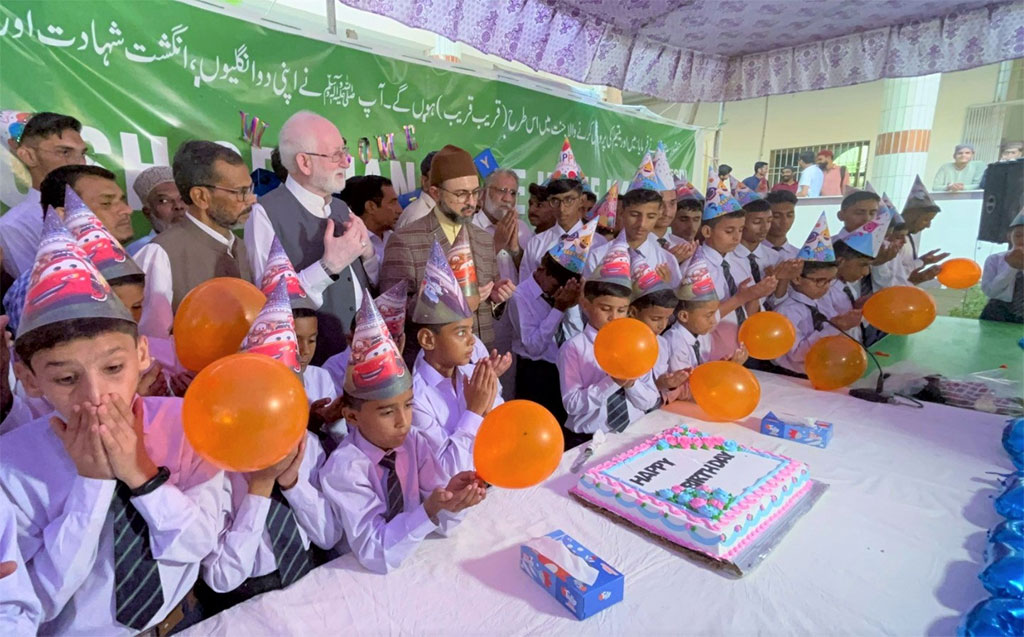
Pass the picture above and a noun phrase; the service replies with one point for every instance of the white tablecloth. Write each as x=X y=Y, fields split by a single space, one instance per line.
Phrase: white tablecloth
x=893 y=547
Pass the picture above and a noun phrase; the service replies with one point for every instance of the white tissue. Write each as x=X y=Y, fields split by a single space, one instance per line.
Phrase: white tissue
x=560 y=554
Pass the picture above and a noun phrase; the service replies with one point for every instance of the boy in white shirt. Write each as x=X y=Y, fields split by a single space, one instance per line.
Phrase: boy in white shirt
x=271 y=515
x=451 y=393
x=594 y=400
x=783 y=206
x=855 y=251
x=384 y=483
x=653 y=304
x=909 y=267
x=1003 y=278
x=544 y=313
x=754 y=256
x=19 y=607
x=85 y=488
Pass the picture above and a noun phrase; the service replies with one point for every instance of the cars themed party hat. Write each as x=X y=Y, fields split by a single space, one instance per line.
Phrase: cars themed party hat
x=697 y=284
x=392 y=306
x=375 y=369
x=615 y=266
x=645 y=278
x=278 y=265
x=460 y=258
x=440 y=300
x=273 y=331
x=95 y=240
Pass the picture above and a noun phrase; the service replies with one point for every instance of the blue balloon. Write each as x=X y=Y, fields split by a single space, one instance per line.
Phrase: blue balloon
x=996 y=551
x=993 y=617
x=1010 y=505
x=1005 y=576
x=1008 y=532
x=1013 y=441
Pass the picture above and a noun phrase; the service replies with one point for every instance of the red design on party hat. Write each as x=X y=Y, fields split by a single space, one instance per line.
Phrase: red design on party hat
x=460 y=258
x=646 y=177
x=64 y=283
x=95 y=240
x=567 y=168
x=279 y=265
x=12 y=125
x=687 y=191
x=614 y=267
x=868 y=238
x=392 y=306
x=645 y=278
x=697 y=284
x=440 y=300
x=606 y=209
x=572 y=249
x=273 y=331
x=818 y=246
x=718 y=202
x=375 y=369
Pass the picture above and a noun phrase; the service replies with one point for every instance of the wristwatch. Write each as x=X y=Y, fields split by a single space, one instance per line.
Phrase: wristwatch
x=151 y=485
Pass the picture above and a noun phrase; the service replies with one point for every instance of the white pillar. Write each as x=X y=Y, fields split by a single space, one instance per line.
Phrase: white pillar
x=901 y=150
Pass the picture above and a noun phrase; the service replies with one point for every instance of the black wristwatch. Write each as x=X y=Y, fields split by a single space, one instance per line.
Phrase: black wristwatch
x=151 y=485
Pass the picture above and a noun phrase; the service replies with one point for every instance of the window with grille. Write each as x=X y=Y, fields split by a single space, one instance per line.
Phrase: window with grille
x=852 y=155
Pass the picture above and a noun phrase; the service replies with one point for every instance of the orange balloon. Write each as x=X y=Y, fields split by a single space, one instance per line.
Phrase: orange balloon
x=725 y=390
x=519 y=444
x=767 y=335
x=834 y=362
x=903 y=309
x=245 y=412
x=213 y=318
x=959 y=273
x=626 y=348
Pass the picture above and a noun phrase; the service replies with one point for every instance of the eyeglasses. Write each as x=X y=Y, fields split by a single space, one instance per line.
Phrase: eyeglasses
x=820 y=281
x=241 y=194
x=559 y=203
x=505 y=192
x=463 y=196
x=65 y=153
x=337 y=157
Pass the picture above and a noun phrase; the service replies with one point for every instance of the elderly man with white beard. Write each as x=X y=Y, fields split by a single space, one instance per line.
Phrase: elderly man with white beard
x=498 y=215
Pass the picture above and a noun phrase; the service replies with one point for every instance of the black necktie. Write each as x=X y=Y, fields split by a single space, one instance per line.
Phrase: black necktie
x=913 y=246
x=618 y=411
x=663 y=242
x=817 y=317
x=395 y=501
x=1018 y=294
x=755 y=270
x=741 y=313
x=777 y=248
x=293 y=560
x=696 y=352
x=849 y=294
x=137 y=590
x=866 y=285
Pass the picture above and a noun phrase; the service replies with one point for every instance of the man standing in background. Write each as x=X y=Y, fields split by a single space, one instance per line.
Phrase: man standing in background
x=810 y=176
x=787 y=181
x=758 y=182
x=835 y=178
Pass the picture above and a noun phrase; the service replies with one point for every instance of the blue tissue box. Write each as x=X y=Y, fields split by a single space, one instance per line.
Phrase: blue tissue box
x=808 y=431
x=581 y=599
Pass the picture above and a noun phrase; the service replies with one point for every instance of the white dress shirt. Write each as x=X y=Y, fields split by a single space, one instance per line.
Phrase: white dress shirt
x=259 y=236
x=67 y=537
x=415 y=211
x=765 y=257
x=997 y=277
x=157 y=299
x=378 y=249
x=440 y=414
x=20 y=611
x=649 y=249
x=795 y=309
x=355 y=485
x=536 y=323
x=507 y=268
x=535 y=249
x=813 y=178
x=725 y=336
x=335 y=367
x=836 y=302
x=319 y=384
x=586 y=387
x=244 y=548
x=21 y=228
x=786 y=251
x=897 y=271
x=680 y=346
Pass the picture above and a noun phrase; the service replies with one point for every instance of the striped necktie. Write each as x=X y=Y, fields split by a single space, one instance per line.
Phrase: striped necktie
x=138 y=593
x=395 y=501
x=741 y=313
x=755 y=270
x=618 y=411
x=696 y=352
x=292 y=558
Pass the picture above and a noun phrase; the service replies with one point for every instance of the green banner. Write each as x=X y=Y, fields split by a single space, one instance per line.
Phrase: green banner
x=145 y=76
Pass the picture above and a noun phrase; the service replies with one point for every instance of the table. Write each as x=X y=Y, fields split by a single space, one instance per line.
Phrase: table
x=956 y=346
x=894 y=546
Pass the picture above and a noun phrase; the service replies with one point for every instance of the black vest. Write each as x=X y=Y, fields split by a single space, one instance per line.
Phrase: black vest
x=302 y=236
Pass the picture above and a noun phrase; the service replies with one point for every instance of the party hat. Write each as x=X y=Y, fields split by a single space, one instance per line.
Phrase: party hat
x=391 y=305
x=572 y=249
x=12 y=125
x=645 y=176
x=697 y=284
x=745 y=195
x=279 y=265
x=567 y=168
x=95 y=240
x=440 y=299
x=64 y=283
x=919 y=200
x=868 y=238
x=273 y=331
x=606 y=209
x=685 y=191
x=645 y=278
x=375 y=369
x=1018 y=220
x=662 y=172
x=818 y=246
x=887 y=204
x=460 y=257
x=718 y=202
x=614 y=268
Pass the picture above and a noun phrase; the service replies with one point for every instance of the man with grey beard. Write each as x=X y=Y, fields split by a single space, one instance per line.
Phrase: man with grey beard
x=498 y=216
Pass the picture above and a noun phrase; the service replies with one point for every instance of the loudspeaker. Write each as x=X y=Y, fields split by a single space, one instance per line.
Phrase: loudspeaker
x=1004 y=198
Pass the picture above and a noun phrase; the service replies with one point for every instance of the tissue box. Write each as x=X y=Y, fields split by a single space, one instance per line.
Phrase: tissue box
x=581 y=599
x=808 y=431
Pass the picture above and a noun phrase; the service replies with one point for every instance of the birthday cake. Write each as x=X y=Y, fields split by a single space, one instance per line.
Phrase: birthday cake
x=705 y=493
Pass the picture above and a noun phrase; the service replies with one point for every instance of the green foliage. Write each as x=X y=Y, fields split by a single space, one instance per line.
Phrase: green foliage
x=973 y=303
